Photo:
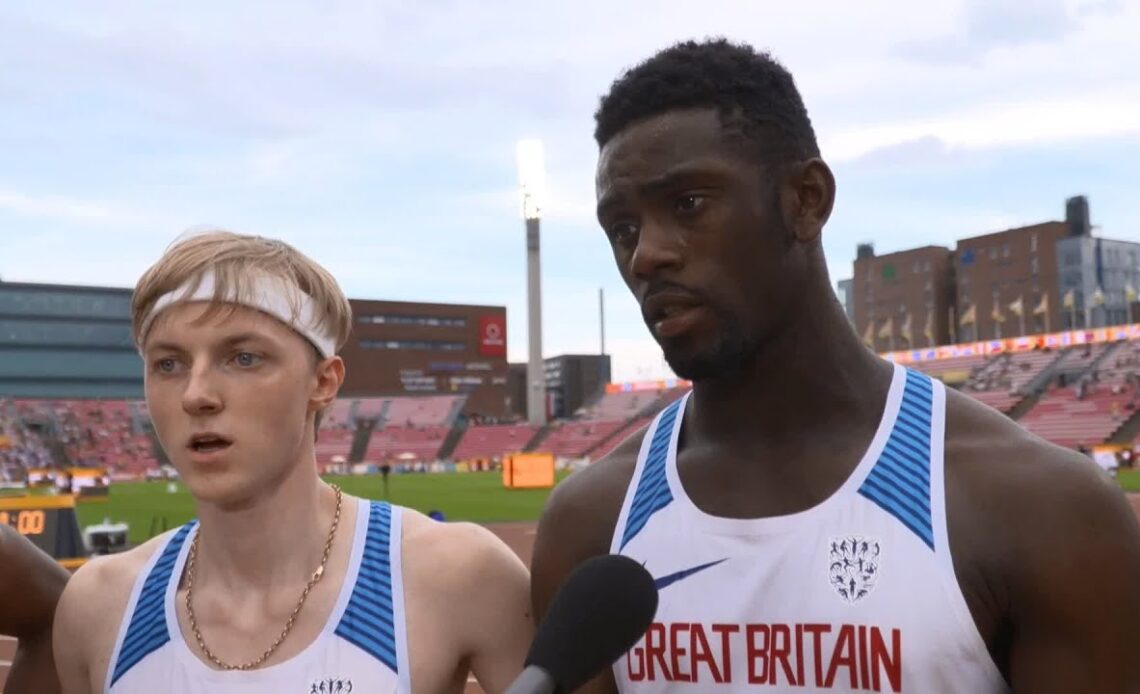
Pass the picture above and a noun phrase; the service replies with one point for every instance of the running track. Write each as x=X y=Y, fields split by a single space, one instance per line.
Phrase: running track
x=520 y=537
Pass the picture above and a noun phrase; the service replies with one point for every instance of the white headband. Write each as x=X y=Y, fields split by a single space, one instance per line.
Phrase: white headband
x=270 y=295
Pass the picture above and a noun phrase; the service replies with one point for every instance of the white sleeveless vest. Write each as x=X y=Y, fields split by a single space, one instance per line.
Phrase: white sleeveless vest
x=362 y=648
x=856 y=594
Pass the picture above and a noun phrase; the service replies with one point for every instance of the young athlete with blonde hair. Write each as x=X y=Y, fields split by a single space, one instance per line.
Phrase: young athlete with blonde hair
x=283 y=583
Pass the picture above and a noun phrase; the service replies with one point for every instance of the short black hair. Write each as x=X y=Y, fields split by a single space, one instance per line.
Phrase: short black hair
x=752 y=91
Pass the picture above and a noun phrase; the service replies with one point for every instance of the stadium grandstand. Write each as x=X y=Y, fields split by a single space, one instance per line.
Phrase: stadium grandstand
x=1077 y=389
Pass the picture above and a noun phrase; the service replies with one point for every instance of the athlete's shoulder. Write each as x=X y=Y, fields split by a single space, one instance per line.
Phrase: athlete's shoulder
x=465 y=549
x=1018 y=488
x=1051 y=541
x=30 y=585
x=580 y=516
x=990 y=452
x=105 y=582
x=592 y=496
x=92 y=607
x=448 y=561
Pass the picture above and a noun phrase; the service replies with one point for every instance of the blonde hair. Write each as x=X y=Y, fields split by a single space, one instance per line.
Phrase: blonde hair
x=234 y=259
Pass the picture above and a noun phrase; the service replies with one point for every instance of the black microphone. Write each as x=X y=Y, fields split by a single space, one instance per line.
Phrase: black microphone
x=599 y=613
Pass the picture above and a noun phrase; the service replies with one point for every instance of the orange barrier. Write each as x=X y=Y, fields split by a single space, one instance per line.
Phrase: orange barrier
x=528 y=471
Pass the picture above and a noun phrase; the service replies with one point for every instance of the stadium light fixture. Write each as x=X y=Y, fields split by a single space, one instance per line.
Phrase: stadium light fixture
x=532 y=177
x=532 y=185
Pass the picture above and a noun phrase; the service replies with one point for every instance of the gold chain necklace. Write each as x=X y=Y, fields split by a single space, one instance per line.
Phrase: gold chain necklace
x=292 y=618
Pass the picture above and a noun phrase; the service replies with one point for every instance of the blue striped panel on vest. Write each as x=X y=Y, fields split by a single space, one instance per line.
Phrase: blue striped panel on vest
x=652 y=493
x=900 y=480
x=148 y=630
x=369 y=620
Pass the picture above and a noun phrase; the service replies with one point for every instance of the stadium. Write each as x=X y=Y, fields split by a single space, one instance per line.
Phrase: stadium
x=432 y=415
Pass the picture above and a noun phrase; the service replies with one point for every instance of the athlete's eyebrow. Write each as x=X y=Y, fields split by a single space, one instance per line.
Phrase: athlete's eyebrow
x=238 y=339
x=163 y=347
x=231 y=341
x=698 y=172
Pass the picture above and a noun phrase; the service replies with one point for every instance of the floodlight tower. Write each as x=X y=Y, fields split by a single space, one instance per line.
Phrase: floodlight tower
x=532 y=181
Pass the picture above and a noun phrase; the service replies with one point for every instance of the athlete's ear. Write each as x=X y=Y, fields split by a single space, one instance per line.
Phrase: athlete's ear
x=329 y=378
x=808 y=196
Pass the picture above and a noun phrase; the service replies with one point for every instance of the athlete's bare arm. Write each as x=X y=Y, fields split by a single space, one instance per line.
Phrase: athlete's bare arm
x=578 y=523
x=30 y=586
x=89 y=615
x=497 y=628
x=468 y=598
x=1048 y=554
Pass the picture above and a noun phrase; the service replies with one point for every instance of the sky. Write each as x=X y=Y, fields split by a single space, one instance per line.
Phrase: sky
x=379 y=137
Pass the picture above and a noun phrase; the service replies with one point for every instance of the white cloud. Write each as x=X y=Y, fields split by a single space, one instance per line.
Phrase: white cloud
x=1079 y=116
x=103 y=214
x=380 y=137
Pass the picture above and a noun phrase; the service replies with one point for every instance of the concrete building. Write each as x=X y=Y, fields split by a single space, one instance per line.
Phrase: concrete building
x=1002 y=273
x=572 y=380
x=1099 y=277
x=516 y=390
x=903 y=300
x=63 y=341
x=846 y=293
x=1029 y=280
x=412 y=348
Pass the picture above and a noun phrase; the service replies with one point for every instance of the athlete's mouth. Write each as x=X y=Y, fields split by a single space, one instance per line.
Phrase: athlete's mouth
x=208 y=442
x=665 y=305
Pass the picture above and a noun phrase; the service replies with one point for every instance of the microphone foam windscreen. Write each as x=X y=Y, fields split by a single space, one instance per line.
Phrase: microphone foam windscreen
x=599 y=613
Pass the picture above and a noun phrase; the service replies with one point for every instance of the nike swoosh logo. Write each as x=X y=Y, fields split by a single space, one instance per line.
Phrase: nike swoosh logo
x=669 y=580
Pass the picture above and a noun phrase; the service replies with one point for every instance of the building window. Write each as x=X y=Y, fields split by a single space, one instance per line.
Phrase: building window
x=98 y=334
x=419 y=345
x=1005 y=251
x=64 y=304
x=1033 y=265
x=993 y=253
x=1033 y=243
x=426 y=321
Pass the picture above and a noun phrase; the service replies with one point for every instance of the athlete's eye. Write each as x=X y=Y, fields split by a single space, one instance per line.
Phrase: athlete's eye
x=622 y=232
x=246 y=359
x=690 y=203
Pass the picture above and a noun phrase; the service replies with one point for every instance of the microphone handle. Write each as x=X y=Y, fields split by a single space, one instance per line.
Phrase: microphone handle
x=533 y=680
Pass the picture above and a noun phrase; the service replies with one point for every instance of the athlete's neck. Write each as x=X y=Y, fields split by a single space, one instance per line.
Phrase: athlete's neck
x=815 y=371
x=276 y=539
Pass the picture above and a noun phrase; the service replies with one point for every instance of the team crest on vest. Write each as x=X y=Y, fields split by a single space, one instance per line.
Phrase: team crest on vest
x=331 y=685
x=853 y=566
